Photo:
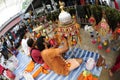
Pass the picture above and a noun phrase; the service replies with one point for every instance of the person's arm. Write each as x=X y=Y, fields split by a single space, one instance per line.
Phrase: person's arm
x=64 y=48
x=52 y=52
x=45 y=44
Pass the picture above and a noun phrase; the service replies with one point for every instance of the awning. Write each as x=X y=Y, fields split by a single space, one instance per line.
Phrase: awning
x=10 y=25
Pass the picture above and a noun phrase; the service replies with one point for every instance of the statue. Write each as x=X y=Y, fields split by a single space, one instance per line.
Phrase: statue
x=67 y=27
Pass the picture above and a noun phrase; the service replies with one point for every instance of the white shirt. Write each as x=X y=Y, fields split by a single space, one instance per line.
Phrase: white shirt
x=25 y=46
x=9 y=44
x=2 y=60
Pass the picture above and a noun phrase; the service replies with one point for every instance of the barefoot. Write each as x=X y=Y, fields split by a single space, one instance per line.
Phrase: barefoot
x=110 y=73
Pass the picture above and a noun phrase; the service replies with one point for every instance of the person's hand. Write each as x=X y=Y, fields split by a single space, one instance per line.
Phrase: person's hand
x=65 y=39
x=46 y=45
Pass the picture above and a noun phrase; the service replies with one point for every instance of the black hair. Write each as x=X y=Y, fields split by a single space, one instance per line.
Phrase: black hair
x=40 y=43
x=30 y=42
x=5 y=54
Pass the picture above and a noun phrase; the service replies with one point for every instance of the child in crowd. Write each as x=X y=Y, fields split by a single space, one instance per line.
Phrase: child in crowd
x=34 y=51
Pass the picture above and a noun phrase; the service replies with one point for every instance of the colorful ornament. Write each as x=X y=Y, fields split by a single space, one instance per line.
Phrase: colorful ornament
x=100 y=46
x=105 y=43
x=92 y=20
x=67 y=66
x=44 y=30
x=103 y=28
x=61 y=30
x=93 y=41
x=67 y=29
x=103 y=25
x=64 y=29
x=108 y=50
x=70 y=29
x=74 y=42
x=86 y=16
x=116 y=33
x=77 y=26
x=76 y=32
x=70 y=34
x=73 y=17
x=52 y=42
x=58 y=29
x=65 y=35
x=73 y=33
x=118 y=30
x=47 y=38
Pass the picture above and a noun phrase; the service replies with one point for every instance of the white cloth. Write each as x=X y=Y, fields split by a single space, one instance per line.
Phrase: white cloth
x=2 y=60
x=12 y=63
x=90 y=64
x=16 y=28
x=25 y=46
x=9 y=44
x=73 y=64
x=27 y=76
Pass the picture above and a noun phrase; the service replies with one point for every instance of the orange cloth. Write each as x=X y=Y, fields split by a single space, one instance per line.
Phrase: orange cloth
x=55 y=62
x=39 y=70
x=89 y=77
x=30 y=66
x=46 y=66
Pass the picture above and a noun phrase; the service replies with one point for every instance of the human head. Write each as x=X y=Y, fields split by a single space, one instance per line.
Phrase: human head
x=25 y=37
x=40 y=43
x=30 y=42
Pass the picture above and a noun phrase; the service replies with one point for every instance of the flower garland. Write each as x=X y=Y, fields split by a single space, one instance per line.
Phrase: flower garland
x=72 y=31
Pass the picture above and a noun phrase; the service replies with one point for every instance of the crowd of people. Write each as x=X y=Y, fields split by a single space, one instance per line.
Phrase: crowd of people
x=14 y=38
x=39 y=48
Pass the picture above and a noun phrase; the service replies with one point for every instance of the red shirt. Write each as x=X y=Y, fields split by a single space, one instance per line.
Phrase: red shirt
x=1 y=69
x=36 y=56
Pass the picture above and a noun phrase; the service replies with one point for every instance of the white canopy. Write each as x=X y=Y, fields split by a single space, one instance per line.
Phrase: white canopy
x=9 y=8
